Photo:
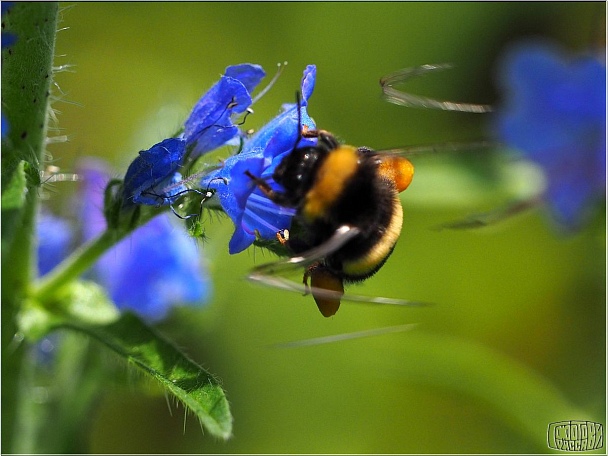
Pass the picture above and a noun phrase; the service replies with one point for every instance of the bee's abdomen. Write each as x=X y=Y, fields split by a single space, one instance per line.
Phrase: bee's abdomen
x=370 y=203
x=375 y=246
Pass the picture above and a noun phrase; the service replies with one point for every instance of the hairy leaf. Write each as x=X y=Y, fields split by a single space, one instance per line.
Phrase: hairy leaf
x=147 y=349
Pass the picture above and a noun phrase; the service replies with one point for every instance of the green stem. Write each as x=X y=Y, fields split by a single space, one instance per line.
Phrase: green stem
x=74 y=265
x=54 y=421
x=84 y=257
x=26 y=79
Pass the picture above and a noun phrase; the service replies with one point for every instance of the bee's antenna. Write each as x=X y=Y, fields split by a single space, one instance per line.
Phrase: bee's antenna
x=208 y=193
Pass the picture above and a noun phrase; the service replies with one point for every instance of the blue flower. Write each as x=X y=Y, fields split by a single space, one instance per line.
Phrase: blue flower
x=5 y=6
x=55 y=237
x=154 y=177
x=210 y=125
x=153 y=269
x=8 y=39
x=5 y=126
x=555 y=113
x=253 y=213
x=93 y=174
x=148 y=272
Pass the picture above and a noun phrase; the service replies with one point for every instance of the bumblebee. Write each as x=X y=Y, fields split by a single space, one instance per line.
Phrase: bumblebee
x=348 y=215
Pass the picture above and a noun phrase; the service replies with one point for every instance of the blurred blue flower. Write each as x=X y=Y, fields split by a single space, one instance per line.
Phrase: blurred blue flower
x=555 y=113
x=153 y=269
x=154 y=177
x=148 y=272
x=252 y=212
x=55 y=238
x=5 y=6
x=8 y=39
x=93 y=174
x=5 y=126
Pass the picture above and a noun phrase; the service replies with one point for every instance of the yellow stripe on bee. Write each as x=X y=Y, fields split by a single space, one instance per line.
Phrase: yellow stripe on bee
x=339 y=166
x=382 y=248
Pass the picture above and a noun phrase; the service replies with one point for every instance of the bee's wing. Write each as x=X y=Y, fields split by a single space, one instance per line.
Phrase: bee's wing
x=491 y=218
x=266 y=274
x=283 y=283
x=441 y=148
x=398 y=97
x=342 y=235
x=348 y=336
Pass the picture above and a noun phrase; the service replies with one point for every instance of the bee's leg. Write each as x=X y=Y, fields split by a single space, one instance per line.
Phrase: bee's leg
x=305 y=279
x=283 y=237
x=307 y=273
x=326 y=139
x=277 y=197
x=342 y=235
x=261 y=183
x=325 y=285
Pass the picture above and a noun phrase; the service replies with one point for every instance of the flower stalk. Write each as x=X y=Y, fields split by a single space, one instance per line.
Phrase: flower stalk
x=85 y=256
x=26 y=79
x=71 y=268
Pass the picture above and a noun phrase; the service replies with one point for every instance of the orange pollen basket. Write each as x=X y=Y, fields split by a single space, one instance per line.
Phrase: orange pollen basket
x=398 y=170
x=323 y=280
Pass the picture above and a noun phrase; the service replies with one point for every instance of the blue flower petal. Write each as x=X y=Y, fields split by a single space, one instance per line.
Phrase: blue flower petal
x=154 y=269
x=210 y=125
x=5 y=126
x=281 y=133
x=555 y=113
x=308 y=82
x=5 y=6
x=55 y=236
x=250 y=75
x=94 y=176
x=153 y=177
x=250 y=210
x=8 y=39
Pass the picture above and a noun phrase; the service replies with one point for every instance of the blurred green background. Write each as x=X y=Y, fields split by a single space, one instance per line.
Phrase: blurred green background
x=518 y=292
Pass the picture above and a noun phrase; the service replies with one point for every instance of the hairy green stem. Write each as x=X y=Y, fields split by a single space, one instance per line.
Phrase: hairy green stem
x=26 y=80
x=75 y=265
x=85 y=256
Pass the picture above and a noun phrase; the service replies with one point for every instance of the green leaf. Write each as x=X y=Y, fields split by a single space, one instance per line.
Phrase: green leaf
x=144 y=347
x=88 y=302
x=84 y=301
x=85 y=307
